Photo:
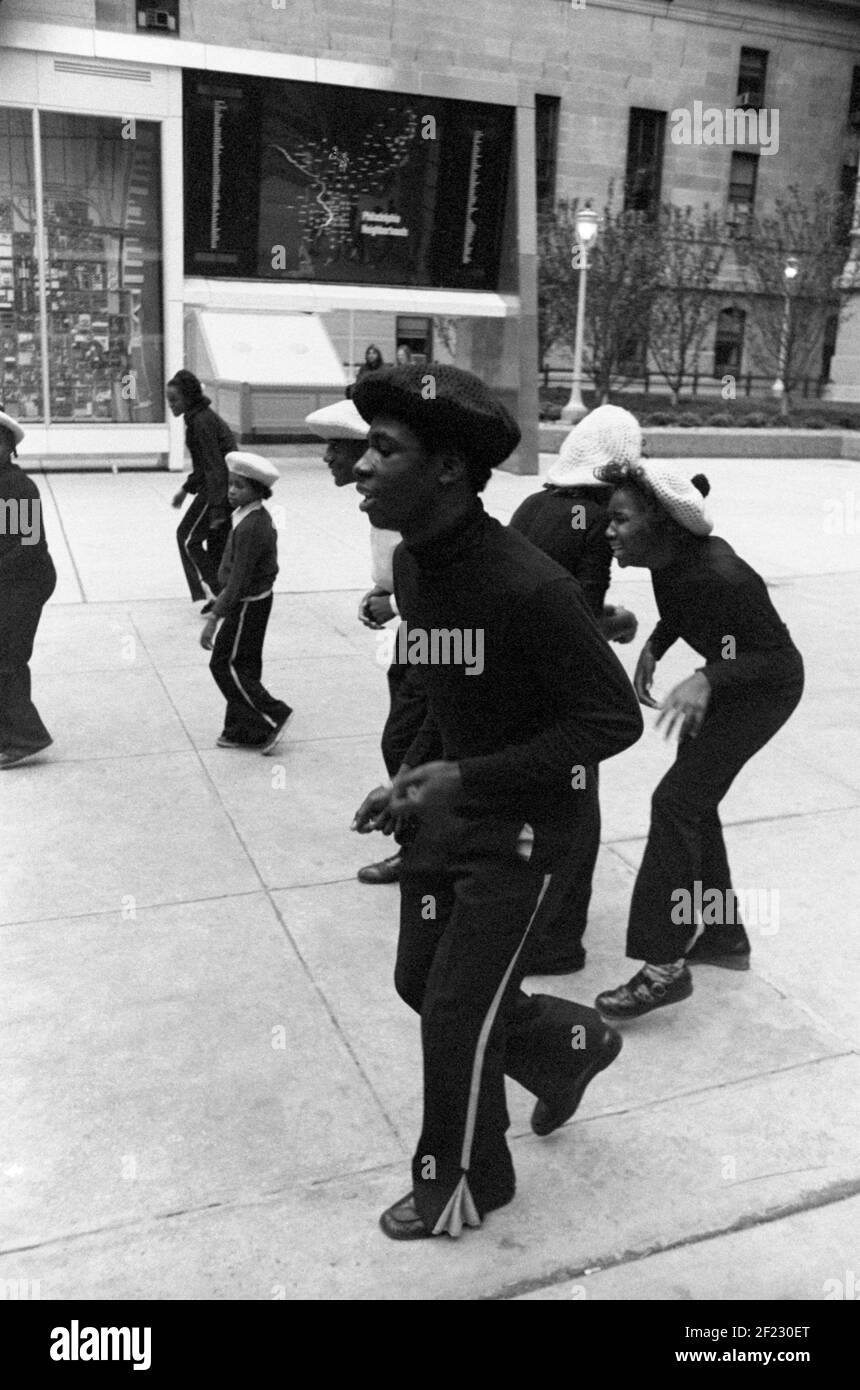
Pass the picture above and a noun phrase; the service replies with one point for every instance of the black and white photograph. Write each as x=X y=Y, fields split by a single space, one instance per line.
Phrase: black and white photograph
x=429 y=559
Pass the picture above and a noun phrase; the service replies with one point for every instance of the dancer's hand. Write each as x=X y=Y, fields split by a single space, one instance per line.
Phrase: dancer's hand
x=643 y=676
x=379 y=608
x=178 y=498
x=207 y=636
x=374 y=813
x=684 y=707
x=429 y=788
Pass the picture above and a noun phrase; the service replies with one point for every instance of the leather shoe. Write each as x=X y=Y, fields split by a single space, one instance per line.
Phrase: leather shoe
x=386 y=871
x=550 y=1114
x=402 y=1222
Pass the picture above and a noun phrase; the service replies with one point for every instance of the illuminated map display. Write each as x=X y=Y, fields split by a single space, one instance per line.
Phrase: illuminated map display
x=297 y=181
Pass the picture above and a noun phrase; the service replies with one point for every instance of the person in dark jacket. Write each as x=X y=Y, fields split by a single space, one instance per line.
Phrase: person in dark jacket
x=27 y=580
x=567 y=520
x=523 y=693
x=202 y=532
x=729 y=708
x=254 y=719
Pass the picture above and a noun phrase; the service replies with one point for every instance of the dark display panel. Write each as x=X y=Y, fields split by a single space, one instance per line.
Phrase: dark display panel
x=297 y=181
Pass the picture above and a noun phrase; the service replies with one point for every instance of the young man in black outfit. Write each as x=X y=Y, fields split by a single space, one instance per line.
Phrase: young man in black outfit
x=203 y=531
x=546 y=698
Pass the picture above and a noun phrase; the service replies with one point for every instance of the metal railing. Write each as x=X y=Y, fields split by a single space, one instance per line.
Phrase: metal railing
x=695 y=384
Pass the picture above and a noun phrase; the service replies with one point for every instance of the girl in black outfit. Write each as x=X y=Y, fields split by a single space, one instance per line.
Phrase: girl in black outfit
x=202 y=533
x=725 y=712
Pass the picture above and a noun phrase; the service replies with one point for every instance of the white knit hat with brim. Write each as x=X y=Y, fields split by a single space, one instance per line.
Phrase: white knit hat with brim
x=252 y=466
x=340 y=420
x=678 y=496
x=606 y=435
x=12 y=426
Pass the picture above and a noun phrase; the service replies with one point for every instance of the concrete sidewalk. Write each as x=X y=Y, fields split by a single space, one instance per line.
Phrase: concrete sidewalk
x=210 y=1087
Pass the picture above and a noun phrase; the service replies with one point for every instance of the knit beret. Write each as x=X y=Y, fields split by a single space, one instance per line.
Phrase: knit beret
x=338 y=421
x=677 y=495
x=252 y=466
x=605 y=435
x=441 y=401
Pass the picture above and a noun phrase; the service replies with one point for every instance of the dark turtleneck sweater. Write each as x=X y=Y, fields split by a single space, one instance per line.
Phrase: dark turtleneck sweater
x=551 y=696
x=707 y=595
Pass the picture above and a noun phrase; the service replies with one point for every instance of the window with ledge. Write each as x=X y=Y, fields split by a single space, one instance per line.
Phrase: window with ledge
x=752 y=74
x=644 y=173
x=729 y=341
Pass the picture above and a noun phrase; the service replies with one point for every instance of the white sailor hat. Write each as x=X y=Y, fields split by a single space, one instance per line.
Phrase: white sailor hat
x=340 y=420
x=252 y=466
x=12 y=426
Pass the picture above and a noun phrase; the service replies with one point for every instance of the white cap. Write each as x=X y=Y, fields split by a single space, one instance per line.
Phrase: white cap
x=12 y=425
x=340 y=420
x=680 y=498
x=608 y=434
x=252 y=466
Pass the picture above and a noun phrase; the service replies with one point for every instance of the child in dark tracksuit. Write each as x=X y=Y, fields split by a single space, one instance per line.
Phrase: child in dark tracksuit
x=254 y=719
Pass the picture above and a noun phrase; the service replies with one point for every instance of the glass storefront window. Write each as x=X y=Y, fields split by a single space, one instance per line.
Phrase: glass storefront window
x=102 y=213
x=20 y=338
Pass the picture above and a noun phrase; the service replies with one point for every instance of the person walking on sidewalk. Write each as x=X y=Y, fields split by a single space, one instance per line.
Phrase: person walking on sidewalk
x=27 y=580
x=202 y=533
x=751 y=681
x=345 y=433
x=494 y=814
x=254 y=719
x=567 y=520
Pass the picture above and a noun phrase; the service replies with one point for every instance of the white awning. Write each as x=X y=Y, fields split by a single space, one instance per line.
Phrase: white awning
x=270 y=349
x=255 y=296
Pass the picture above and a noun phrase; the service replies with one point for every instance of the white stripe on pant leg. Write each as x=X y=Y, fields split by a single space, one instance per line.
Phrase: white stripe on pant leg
x=460 y=1209
x=193 y=563
x=245 y=696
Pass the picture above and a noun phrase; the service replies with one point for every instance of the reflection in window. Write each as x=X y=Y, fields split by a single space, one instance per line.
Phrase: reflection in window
x=102 y=200
x=20 y=342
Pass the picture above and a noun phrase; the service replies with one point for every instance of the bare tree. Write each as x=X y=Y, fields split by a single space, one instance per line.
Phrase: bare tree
x=623 y=277
x=684 y=307
x=557 y=280
x=789 y=317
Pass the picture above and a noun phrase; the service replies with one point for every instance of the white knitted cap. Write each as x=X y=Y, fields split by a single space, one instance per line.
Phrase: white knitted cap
x=608 y=434
x=684 y=503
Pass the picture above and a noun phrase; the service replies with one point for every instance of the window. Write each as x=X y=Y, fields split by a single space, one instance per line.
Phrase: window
x=742 y=182
x=854 y=101
x=20 y=329
x=828 y=346
x=752 y=72
x=416 y=334
x=729 y=342
x=102 y=212
x=546 y=148
x=644 y=159
x=162 y=16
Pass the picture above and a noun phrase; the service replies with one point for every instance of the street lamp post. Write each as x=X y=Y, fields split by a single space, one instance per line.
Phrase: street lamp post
x=789 y=271
x=586 y=232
